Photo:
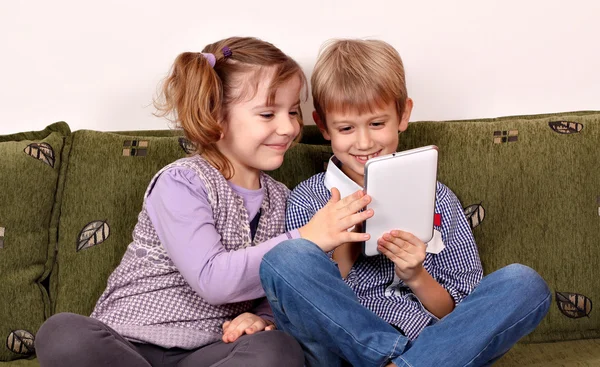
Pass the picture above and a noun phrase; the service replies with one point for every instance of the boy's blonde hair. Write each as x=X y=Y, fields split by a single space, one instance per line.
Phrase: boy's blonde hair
x=197 y=94
x=358 y=75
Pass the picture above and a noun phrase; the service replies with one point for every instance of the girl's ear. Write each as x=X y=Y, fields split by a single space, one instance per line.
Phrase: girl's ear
x=408 y=106
x=321 y=125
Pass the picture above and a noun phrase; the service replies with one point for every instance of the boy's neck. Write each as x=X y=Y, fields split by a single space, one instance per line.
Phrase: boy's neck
x=359 y=179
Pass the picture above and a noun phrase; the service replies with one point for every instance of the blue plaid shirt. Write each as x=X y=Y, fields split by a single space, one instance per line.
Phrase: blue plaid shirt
x=457 y=267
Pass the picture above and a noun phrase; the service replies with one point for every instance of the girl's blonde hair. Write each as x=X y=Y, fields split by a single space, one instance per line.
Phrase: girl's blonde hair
x=358 y=75
x=196 y=95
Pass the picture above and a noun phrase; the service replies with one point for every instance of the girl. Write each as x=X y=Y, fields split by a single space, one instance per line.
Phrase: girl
x=187 y=291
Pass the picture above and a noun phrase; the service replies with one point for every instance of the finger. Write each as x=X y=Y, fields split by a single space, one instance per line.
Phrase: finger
x=351 y=198
x=395 y=248
x=335 y=195
x=356 y=218
x=226 y=325
x=233 y=324
x=408 y=237
x=258 y=325
x=353 y=237
x=233 y=334
x=398 y=242
x=270 y=327
x=356 y=205
x=395 y=258
x=399 y=247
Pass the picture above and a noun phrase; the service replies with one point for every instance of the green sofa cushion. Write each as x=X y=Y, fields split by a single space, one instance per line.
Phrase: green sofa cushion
x=301 y=162
x=104 y=187
x=29 y=170
x=531 y=188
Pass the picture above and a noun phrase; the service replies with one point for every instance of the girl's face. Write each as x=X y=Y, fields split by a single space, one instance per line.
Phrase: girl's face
x=256 y=136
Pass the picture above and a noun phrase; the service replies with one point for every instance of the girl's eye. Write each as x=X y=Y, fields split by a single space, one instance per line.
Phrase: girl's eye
x=293 y=113
x=267 y=115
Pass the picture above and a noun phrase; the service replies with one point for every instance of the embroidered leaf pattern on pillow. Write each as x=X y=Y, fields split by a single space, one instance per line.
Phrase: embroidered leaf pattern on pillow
x=573 y=305
x=93 y=234
x=20 y=342
x=41 y=151
x=565 y=127
x=475 y=214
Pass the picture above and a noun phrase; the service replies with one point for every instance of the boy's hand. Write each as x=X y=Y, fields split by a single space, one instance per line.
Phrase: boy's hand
x=406 y=251
x=246 y=323
x=329 y=227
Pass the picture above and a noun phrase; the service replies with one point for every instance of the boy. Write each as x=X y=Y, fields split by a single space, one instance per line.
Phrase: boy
x=415 y=304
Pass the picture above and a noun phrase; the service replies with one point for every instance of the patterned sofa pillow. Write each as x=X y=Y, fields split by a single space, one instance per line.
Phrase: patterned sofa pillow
x=30 y=167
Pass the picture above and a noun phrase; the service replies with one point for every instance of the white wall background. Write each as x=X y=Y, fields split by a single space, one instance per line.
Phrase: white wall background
x=97 y=64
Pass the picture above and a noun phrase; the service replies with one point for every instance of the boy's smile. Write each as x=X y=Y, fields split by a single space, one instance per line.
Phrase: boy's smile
x=357 y=137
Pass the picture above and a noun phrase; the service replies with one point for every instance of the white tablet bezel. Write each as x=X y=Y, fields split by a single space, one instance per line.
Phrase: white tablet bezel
x=402 y=187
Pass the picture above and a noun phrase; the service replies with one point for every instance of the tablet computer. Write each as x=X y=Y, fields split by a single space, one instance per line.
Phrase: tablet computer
x=402 y=187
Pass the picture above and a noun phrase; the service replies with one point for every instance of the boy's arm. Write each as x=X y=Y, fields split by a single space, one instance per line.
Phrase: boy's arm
x=454 y=272
x=458 y=267
x=407 y=252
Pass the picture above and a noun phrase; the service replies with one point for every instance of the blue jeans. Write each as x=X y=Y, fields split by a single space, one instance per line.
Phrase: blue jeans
x=312 y=302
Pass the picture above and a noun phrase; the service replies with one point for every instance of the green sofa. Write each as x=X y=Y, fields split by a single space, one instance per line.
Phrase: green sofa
x=530 y=186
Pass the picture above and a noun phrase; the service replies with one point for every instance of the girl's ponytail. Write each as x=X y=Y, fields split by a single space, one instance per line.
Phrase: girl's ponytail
x=192 y=98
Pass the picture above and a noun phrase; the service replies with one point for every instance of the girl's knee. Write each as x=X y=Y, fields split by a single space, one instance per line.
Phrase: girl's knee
x=281 y=349
x=62 y=335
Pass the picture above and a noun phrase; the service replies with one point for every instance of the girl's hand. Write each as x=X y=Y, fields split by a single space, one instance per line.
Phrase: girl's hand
x=246 y=323
x=328 y=228
x=406 y=251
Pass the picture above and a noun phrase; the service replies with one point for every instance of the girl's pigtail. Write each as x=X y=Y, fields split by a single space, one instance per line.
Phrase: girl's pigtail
x=192 y=98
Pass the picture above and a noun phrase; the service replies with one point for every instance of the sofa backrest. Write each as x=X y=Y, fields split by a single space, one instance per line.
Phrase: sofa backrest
x=530 y=187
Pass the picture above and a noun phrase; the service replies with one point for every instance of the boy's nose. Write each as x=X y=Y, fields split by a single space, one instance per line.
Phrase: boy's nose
x=363 y=140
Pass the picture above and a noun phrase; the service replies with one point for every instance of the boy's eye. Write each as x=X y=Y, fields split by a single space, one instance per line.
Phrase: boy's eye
x=377 y=123
x=345 y=129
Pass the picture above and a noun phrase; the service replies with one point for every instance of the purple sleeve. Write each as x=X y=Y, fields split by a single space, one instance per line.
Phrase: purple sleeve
x=183 y=219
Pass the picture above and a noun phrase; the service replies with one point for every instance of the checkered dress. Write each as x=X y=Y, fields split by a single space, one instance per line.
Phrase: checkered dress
x=148 y=300
x=457 y=267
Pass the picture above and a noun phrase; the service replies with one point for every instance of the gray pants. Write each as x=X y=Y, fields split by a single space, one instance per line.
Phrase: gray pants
x=68 y=339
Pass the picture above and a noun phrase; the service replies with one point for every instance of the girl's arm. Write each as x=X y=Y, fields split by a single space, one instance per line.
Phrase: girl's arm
x=183 y=219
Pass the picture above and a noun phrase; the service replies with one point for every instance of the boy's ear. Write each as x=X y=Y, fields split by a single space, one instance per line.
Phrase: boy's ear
x=408 y=106
x=321 y=125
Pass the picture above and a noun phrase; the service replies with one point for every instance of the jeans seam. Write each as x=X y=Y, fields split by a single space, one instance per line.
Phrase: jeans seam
x=510 y=327
x=405 y=362
x=335 y=323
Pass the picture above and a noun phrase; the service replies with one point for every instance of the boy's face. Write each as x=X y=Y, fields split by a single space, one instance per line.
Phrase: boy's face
x=355 y=137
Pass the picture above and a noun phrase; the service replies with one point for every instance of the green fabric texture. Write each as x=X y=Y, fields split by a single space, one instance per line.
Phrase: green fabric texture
x=301 y=162
x=103 y=189
x=577 y=353
x=29 y=171
x=541 y=197
x=21 y=363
